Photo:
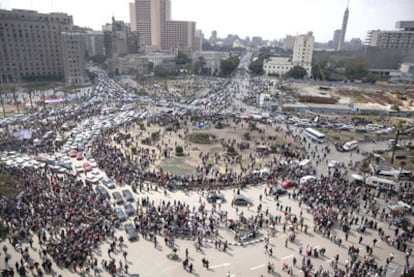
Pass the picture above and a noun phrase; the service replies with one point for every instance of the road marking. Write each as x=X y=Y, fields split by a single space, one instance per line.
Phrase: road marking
x=257 y=267
x=220 y=265
x=287 y=257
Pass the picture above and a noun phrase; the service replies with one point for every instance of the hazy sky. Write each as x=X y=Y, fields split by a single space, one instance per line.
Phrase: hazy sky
x=270 y=19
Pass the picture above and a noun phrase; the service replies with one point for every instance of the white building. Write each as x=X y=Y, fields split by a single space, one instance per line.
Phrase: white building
x=289 y=42
x=158 y=58
x=400 y=39
x=211 y=58
x=277 y=65
x=302 y=56
x=303 y=51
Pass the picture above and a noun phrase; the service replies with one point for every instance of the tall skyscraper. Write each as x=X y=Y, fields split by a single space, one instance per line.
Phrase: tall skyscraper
x=148 y=17
x=303 y=51
x=335 y=40
x=343 y=29
x=152 y=20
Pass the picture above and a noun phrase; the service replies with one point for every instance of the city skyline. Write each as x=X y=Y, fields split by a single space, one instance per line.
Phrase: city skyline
x=266 y=18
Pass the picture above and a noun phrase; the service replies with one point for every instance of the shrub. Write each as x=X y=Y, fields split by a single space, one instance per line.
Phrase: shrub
x=231 y=151
x=273 y=148
x=247 y=136
x=155 y=136
x=134 y=150
x=142 y=126
x=4 y=230
x=219 y=126
x=336 y=137
x=179 y=151
x=201 y=138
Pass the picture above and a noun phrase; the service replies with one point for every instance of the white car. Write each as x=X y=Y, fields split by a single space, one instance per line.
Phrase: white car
x=335 y=164
x=93 y=163
x=79 y=168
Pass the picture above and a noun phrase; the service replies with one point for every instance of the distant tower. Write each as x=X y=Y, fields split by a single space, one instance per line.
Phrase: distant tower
x=343 y=30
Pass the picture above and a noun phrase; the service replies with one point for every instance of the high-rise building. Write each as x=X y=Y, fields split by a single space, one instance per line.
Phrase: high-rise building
x=213 y=38
x=31 y=46
x=303 y=51
x=288 y=42
x=335 y=41
x=148 y=17
x=73 y=49
x=302 y=56
x=343 y=29
x=153 y=22
x=94 y=43
x=119 y=40
x=399 y=39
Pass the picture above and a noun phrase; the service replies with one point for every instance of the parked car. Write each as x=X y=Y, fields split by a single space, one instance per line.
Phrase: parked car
x=335 y=164
x=241 y=200
x=402 y=222
x=108 y=183
x=79 y=156
x=132 y=234
x=87 y=167
x=278 y=191
x=288 y=184
x=129 y=209
x=128 y=195
x=102 y=191
x=213 y=197
x=120 y=214
x=117 y=197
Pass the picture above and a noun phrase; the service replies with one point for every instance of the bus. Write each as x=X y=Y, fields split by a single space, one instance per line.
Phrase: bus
x=380 y=183
x=350 y=145
x=315 y=135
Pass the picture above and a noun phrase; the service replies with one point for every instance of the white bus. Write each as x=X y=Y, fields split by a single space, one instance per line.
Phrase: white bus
x=350 y=145
x=380 y=183
x=315 y=135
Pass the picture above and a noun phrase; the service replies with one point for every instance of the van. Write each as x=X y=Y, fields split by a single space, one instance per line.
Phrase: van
x=307 y=179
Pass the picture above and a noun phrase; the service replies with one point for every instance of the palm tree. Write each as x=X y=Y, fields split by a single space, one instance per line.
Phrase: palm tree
x=2 y=102
x=29 y=92
x=13 y=91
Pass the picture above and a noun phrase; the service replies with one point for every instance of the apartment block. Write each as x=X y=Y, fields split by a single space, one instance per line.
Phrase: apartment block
x=31 y=45
x=73 y=49
x=397 y=39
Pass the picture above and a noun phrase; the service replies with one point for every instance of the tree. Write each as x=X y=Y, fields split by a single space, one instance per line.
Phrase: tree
x=199 y=67
x=227 y=66
x=370 y=79
x=356 y=68
x=165 y=70
x=2 y=102
x=256 y=67
x=29 y=92
x=182 y=58
x=150 y=67
x=99 y=59
x=16 y=103
x=297 y=72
